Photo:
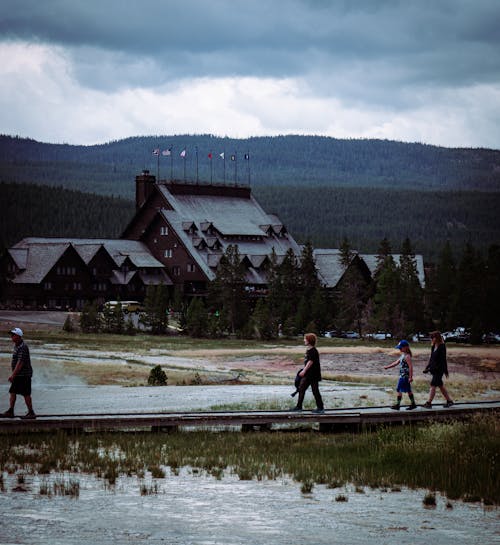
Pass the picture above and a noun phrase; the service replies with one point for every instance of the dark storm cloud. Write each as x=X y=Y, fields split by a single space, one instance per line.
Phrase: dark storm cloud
x=439 y=42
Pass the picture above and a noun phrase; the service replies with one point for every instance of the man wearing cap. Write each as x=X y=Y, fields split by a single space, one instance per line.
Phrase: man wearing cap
x=20 y=377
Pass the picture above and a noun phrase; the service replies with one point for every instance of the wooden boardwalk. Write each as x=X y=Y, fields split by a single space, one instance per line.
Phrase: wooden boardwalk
x=332 y=420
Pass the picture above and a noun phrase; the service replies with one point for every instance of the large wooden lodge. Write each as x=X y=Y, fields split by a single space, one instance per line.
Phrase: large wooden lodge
x=177 y=237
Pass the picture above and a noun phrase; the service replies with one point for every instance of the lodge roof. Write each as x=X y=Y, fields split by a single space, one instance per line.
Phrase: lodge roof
x=35 y=256
x=330 y=268
x=208 y=221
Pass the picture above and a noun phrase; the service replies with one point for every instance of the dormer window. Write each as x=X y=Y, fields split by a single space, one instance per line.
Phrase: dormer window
x=168 y=252
x=163 y=230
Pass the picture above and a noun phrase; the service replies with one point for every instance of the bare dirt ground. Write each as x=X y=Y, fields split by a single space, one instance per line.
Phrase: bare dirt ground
x=474 y=368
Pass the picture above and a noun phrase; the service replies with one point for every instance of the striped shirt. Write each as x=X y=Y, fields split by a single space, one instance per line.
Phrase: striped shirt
x=22 y=352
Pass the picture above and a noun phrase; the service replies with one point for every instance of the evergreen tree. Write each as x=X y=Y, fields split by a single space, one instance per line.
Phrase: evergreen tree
x=319 y=308
x=196 y=318
x=441 y=289
x=469 y=296
x=411 y=298
x=156 y=304
x=352 y=295
x=288 y=287
x=112 y=318
x=263 y=322
x=346 y=252
x=228 y=290
x=90 y=319
x=492 y=290
x=384 y=251
x=308 y=275
x=387 y=310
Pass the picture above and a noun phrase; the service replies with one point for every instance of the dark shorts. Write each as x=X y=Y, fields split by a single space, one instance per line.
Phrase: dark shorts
x=437 y=380
x=21 y=386
x=404 y=386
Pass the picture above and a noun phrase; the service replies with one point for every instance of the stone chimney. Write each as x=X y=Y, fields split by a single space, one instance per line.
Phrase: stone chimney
x=144 y=184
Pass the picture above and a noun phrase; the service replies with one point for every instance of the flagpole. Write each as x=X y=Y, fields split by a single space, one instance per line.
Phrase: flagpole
x=248 y=166
x=235 y=168
x=210 y=156
x=197 y=177
x=224 y=159
x=171 y=164
x=158 y=166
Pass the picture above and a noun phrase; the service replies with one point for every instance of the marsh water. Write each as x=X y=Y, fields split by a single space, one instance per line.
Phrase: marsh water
x=192 y=507
x=196 y=508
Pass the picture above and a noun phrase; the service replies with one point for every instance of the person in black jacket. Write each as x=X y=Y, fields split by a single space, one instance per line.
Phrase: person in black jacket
x=437 y=367
x=310 y=374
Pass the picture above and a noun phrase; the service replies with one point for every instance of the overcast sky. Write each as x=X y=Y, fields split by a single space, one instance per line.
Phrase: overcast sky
x=91 y=71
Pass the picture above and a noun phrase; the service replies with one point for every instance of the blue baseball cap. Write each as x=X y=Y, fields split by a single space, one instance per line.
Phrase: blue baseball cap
x=402 y=343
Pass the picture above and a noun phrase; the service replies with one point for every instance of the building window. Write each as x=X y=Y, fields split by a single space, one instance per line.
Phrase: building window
x=163 y=230
x=176 y=271
x=66 y=271
x=191 y=267
x=168 y=253
x=47 y=286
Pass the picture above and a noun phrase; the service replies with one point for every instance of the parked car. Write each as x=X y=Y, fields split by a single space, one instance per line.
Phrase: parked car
x=491 y=338
x=350 y=335
x=458 y=335
x=333 y=334
x=127 y=306
x=378 y=336
x=421 y=337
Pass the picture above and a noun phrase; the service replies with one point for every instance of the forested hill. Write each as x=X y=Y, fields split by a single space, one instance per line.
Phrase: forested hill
x=304 y=161
x=322 y=215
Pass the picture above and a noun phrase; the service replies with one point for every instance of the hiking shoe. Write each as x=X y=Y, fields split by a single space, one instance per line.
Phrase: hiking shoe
x=30 y=415
x=318 y=411
x=448 y=404
x=395 y=407
x=427 y=405
x=411 y=407
x=9 y=413
x=297 y=409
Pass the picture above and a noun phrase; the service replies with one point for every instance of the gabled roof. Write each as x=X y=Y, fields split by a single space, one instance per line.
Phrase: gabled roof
x=118 y=249
x=234 y=215
x=19 y=256
x=331 y=270
x=371 y=262
x=40 y=260
x=329 y=266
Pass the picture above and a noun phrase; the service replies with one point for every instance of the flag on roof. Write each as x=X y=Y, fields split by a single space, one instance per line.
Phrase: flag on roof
x=247 y=157
x=221 y=155
x=167 y=152
x=233 y=157
x=183 y=153
x=210 y=155
x=156 y=151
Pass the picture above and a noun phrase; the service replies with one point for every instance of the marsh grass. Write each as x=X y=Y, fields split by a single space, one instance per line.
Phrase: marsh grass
x=60 y=486
x=457 y=459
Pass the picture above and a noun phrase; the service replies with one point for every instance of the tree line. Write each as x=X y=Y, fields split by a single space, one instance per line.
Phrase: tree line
x=281 y=160
x=323 y=215
x=460 y=291
x=28 y=210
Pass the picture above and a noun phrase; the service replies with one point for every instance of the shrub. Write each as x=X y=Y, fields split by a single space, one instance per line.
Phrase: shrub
x=157 y=377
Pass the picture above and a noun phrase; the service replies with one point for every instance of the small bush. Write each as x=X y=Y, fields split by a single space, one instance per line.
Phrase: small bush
x=157 y=377
x=429 y=500
x=307 y=487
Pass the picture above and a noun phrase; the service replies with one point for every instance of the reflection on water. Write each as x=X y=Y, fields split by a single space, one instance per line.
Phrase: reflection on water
x=195 y=508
